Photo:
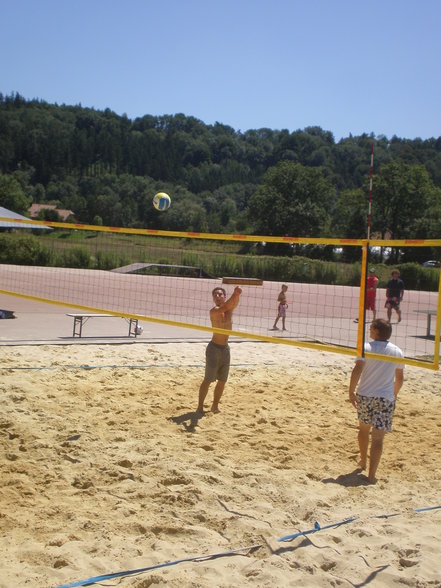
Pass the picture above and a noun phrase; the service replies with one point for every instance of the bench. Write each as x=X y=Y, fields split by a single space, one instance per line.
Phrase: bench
x=430 y=314
x=80 y=319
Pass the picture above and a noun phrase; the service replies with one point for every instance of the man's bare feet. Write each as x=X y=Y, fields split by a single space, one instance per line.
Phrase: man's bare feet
x=215 y=409
x=200 y=411
x=362 y=465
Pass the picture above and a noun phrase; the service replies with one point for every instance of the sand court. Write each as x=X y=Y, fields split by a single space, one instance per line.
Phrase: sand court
x=106 y=467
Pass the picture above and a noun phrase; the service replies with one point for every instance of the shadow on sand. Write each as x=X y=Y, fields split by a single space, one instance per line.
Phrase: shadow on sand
x=355 y=478
x=188 y=420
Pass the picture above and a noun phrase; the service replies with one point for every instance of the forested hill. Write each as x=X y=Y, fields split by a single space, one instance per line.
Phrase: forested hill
x=106 y=168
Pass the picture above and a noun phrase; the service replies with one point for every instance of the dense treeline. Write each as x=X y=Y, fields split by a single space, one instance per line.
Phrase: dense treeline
x=106 y=168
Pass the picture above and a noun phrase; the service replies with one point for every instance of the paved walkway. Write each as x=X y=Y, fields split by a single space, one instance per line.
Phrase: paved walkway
x=40 y=323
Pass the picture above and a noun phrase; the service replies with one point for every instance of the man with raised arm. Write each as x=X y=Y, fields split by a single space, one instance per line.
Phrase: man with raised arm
x=217 y=354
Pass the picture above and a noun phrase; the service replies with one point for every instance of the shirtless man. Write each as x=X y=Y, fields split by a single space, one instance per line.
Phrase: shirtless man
x=217 y=354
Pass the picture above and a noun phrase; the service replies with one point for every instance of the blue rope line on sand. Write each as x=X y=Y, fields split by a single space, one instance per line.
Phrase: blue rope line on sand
x=249 y=549
x=317 y=528
x=424 y=509
x=197 y=558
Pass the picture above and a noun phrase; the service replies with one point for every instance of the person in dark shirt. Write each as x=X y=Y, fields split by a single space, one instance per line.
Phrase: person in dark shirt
x=394 y=294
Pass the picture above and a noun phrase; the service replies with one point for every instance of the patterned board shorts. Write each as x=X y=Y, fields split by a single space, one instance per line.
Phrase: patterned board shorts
x=376 y=411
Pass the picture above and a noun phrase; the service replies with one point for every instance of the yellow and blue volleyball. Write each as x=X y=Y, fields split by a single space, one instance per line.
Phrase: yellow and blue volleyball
x=161 y=201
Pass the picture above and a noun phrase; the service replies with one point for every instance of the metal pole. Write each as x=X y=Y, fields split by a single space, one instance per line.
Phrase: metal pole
x=370 y=193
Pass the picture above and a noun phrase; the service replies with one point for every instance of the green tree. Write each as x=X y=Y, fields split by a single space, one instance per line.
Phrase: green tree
x=12 y=195
x=49 y=214
x=184 y=216
x=349 y=216
x=293 y=200
x=349 y=220
x=401 y=197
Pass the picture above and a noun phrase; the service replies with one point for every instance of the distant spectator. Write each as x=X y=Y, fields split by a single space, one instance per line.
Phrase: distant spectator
x=394 y=294
x=371 y=293
x=281 y=309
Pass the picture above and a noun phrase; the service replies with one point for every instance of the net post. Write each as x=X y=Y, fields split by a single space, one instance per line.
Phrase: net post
x=362 y=305
x=437 y=327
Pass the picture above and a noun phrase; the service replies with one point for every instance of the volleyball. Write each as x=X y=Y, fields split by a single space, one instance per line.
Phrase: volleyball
x=161 y=201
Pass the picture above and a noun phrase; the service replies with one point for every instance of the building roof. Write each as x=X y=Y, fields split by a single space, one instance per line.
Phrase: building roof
x=36 y=208
x=4 y=212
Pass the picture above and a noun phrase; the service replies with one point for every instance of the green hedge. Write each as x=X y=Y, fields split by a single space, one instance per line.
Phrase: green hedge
x=24 y=250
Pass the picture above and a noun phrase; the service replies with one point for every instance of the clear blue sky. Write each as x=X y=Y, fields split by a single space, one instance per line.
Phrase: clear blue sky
x=345 y=65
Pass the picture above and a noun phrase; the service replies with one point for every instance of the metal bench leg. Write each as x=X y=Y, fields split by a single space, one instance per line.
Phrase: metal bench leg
x=77 y=326
x=429 y=323
x=133 y=327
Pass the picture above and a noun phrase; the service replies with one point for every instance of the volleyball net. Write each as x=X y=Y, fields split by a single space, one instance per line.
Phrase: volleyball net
x=167 y=277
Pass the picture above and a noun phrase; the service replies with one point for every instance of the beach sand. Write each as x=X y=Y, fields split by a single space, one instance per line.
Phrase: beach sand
x=105 y=467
